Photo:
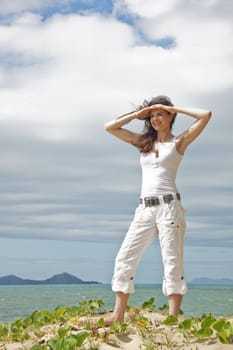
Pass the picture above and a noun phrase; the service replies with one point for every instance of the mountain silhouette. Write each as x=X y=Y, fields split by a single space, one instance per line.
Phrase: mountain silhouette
x=62 y=278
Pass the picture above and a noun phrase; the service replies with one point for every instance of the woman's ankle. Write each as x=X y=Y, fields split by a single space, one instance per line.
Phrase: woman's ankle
x=114 y=318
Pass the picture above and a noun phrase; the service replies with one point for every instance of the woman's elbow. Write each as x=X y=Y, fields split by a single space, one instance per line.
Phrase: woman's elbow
x=107 y=126
x=208 y=115
x=110 y=126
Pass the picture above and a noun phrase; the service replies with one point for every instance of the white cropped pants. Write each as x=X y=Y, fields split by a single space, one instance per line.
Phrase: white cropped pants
x=166 y=221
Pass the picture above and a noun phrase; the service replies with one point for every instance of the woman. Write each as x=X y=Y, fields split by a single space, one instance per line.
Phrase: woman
x=160 y=212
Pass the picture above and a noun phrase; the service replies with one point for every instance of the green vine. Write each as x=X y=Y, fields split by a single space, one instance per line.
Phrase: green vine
x=81 y=327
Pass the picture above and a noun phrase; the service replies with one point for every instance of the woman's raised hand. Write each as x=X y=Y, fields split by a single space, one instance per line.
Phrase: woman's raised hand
x=145 y=112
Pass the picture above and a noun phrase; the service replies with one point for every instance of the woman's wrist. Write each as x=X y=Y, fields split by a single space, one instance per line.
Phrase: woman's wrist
x=126 y=118
x=193 y=112
x=132 y=114
x=121 y=120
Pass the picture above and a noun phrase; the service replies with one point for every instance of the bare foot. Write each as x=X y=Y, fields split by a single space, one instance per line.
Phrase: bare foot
x=114 y=318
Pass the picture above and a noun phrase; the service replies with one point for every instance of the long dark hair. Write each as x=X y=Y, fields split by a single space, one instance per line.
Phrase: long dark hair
x=149 y=134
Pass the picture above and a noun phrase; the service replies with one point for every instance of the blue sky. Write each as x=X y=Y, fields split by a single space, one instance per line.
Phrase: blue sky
x=69 y=189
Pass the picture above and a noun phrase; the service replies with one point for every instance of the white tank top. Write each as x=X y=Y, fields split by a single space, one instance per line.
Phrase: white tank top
x=159 y=174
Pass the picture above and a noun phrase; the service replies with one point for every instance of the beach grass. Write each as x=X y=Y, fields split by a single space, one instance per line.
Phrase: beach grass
x=145 y=328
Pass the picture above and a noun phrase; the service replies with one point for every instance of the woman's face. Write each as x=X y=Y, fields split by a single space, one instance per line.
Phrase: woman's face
x=160 y=119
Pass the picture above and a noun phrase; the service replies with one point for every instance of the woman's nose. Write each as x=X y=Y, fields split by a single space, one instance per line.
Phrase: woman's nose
x=156 y=117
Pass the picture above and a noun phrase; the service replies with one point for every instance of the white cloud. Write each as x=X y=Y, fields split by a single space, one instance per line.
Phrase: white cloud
x=142 y=8
x=63 y=70
x=73 y=69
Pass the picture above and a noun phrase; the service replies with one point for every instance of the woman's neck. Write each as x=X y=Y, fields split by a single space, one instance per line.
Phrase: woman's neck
x=163 y=136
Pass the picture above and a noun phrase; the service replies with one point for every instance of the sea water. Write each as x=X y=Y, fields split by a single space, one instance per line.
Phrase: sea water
x=21 y=301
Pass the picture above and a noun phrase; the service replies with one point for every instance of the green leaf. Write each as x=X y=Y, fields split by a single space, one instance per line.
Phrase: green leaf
x=186 y=324
x=27 y=321
x=223 y=337
x=203 y=316
x=143 y=321
x=181 y=312
x=37 y=330
x=149 y=304
x=17 y=323
x=229 y=325
x=204 y=333
x=88 y=326
x=164 y=309
x=34 y=316
x=69 y=343
x=54 y=343
x=219 y=325
x=118 y=327
x=63 y=331
x=16 y=337
x=3 y=330
x=81 y=337
x=101 y=322
x=225 y=334
x=60 y=311
x=46 y=315
x=75 y=310
x=208 y=321
x=128 y=307
x=95 y=304
x=36 y=347
x=170 y=320
x=123 y=328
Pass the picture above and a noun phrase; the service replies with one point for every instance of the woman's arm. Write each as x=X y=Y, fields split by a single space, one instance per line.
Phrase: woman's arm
x=188 y=136
x=115 y=126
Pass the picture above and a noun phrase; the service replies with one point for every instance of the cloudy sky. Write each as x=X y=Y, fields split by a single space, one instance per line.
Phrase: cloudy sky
x=68 y=188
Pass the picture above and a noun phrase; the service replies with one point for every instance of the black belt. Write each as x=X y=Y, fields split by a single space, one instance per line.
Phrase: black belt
x=153 y=201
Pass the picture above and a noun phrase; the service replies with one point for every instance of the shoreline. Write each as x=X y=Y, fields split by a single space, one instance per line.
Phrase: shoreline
x=20 y=301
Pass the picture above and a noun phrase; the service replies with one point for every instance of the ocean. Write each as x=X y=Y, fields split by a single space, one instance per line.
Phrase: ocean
x=20 y=301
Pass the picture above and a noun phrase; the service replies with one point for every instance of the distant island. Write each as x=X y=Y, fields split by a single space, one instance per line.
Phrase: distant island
x=62 y=278
x=213 y=281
